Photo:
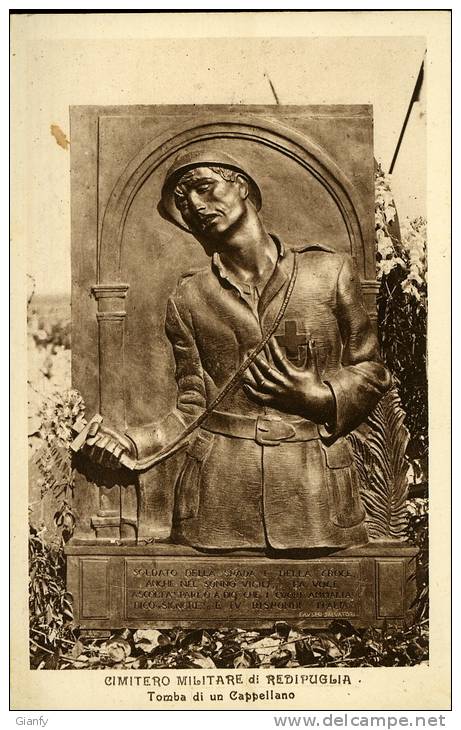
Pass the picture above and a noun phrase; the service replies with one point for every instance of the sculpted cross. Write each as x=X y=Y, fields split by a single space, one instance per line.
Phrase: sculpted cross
x=291 y=340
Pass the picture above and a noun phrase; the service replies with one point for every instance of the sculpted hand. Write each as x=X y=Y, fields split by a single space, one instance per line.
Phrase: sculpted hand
x=105 y=445
x=296 y=390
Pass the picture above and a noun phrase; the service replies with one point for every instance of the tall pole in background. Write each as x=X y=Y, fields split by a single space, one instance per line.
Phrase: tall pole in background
x=414 y=98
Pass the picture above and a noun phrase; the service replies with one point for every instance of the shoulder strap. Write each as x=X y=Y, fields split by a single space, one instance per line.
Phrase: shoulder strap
x=181 y=441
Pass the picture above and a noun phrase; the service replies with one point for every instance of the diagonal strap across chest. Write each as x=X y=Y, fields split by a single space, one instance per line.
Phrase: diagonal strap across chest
x=181 y=441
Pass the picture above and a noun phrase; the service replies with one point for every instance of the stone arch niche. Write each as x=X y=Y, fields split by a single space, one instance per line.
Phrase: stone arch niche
x=315 y=169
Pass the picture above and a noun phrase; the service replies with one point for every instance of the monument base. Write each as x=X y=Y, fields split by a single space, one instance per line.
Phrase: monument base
x=163 y=586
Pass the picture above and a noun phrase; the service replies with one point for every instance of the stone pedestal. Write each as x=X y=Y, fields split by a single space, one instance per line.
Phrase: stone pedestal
x=163 y=586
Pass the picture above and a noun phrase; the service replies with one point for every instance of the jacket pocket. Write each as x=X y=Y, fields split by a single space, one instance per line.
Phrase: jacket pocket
x=188 y=485
x=346 y=509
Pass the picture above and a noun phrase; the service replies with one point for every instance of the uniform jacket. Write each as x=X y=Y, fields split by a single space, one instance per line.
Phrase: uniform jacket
x=234 y=492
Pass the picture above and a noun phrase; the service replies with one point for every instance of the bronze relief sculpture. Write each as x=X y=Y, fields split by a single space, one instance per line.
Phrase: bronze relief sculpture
x=270 y=467
x=233 y=365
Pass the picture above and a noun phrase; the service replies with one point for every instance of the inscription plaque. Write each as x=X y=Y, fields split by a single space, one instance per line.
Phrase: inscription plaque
x=162 y=586
x=156 y=588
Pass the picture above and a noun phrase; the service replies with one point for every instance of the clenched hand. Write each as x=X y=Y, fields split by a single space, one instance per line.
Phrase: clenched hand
x=105 y=445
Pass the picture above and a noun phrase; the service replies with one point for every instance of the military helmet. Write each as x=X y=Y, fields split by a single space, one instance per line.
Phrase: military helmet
x=205 y=156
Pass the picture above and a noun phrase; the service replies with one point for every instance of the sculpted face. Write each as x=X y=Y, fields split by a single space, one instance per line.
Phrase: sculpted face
x=210 y=205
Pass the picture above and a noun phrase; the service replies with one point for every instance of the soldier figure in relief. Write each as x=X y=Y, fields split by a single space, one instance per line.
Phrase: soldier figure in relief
x=271 y=468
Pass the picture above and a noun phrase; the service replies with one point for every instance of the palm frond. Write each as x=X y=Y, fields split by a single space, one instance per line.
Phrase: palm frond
x=382 y=468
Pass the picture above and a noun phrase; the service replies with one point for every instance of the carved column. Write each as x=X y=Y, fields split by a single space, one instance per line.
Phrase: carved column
x=111 y=322
x=370 y=289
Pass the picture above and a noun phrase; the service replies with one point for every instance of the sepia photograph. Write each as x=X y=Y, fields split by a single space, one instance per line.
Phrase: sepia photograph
x=225 y=270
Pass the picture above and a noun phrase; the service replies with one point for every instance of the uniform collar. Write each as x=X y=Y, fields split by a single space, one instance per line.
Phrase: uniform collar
x=278 y=279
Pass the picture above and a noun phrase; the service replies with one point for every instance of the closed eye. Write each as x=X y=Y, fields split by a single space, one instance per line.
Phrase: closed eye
x=181 y=203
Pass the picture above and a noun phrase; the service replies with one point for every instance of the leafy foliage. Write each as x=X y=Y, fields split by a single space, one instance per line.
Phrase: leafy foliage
x=50 y=606
x=53 y=458
x=418 y=534
x=340 y=645
x=402 y=316
x=53 y=411
x=382 y=466
x=59 y=416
